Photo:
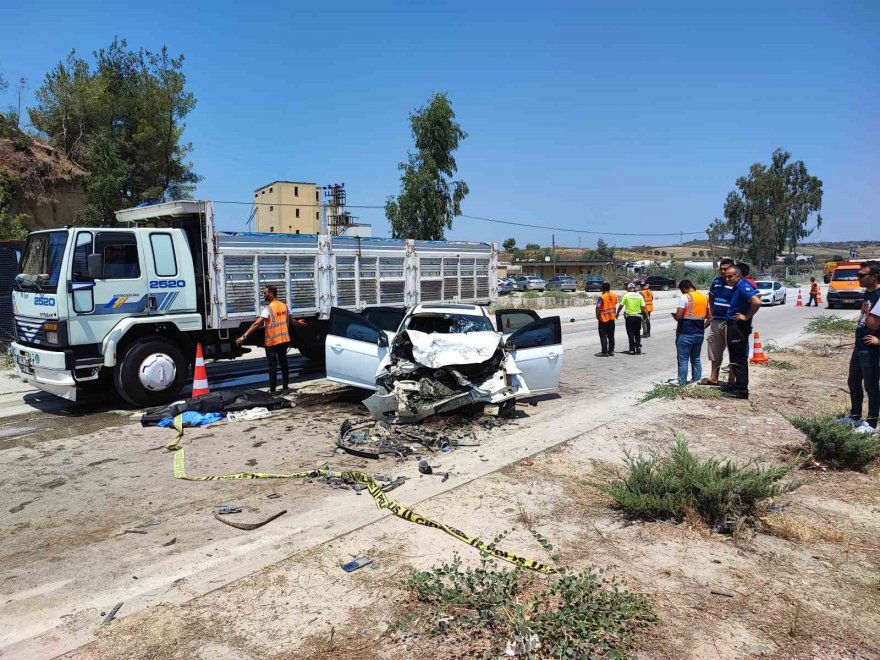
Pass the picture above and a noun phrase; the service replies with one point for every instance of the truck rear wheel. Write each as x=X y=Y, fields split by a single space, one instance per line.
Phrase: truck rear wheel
x=309 y=339
x=152 y=372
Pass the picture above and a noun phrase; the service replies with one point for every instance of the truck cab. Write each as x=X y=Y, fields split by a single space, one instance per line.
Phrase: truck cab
x=90 y=302
x=844 y=289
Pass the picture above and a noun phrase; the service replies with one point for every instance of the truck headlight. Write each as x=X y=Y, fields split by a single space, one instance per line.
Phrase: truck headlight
x=51 y=333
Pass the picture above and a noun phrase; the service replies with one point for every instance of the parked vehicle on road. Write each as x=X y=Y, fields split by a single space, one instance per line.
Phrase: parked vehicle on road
x=593 y=283
x=438 y=357
x=530 y=283
x=505 y=286
x=123 y=307
x=771 y=292
x=656 y=282
x=844 y=289
x=562 y=283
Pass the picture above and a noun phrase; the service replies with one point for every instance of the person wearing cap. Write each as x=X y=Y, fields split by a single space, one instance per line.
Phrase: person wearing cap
x=648 y=295
x=633 y=305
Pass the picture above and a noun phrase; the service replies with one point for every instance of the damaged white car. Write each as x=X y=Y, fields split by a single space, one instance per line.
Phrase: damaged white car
x=439 y=357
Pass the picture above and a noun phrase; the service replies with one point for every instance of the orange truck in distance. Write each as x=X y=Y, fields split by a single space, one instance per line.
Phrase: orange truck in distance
x=843 y=288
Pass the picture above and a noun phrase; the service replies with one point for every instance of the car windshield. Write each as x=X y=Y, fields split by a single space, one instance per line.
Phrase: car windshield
x=846 y=275
x=41 y=263
x=765 y=285
x=449 y=323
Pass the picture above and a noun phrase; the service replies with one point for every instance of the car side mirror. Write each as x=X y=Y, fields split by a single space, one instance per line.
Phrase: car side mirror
x=96 y=266
x=383 y=340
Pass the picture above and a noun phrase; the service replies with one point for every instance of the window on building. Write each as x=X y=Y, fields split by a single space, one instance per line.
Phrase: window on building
x=317 y=215
x=271 y=229
x=262 y=192
x=296 y=191
x=271 y=208
x=297 y=231
x=297 y=213
x=316 y=196
x=270 y=189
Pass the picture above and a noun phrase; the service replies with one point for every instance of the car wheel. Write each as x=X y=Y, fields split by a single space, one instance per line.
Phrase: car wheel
x=151 y=372
x=784 y=298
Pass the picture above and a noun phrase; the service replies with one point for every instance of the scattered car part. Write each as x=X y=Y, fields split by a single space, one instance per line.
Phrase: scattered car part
x=112 y=613
x=355 y=564
x=250 y=526
x=224 y=510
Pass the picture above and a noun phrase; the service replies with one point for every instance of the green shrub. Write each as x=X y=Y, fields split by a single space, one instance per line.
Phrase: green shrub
x=838 y=444
x=830 y=324
x=675 y=391
x=569 y=615
x=669 y=485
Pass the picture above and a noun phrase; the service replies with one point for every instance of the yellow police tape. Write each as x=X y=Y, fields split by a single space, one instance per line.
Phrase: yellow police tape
x=379 y=497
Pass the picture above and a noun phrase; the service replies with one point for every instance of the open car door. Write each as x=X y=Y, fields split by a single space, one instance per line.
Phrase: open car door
x=354 y=348
x=537 y=351
x=509 y=321
x=387 y=318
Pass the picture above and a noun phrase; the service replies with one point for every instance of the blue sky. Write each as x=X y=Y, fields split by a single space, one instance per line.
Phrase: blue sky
x=633 y=118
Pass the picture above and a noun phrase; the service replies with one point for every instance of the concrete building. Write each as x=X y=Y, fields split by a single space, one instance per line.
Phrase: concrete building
x=288 y=207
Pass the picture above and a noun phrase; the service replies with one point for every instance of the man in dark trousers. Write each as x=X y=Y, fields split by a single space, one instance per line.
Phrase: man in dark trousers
x=814 y=293
x=633 y=306
x=864 y=365
x=606 y=312
x=744 y=304
x=275 y=320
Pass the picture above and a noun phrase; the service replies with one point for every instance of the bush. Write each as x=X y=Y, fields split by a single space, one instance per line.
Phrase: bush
x=830 y=324
x=670 y=485
x=587 y=614
x=673 y=391
x=838 y=444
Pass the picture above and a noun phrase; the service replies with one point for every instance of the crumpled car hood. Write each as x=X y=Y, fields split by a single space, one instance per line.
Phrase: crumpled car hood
x=437 y=350
x=432 y=373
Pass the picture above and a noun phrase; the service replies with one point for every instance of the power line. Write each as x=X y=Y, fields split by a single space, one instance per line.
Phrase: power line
x=680 y=234
x=579 y=231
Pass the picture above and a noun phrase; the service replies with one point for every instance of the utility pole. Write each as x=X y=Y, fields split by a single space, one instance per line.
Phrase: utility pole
x=553 y=243
x=21 y=82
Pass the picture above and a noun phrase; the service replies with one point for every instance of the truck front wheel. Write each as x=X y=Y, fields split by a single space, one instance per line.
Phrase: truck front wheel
x=152 y=372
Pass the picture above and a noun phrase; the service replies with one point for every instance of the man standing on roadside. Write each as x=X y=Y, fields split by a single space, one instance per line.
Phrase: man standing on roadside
x=744 y=304
x=814 y=293
x=606 y=307
x=719 y=301
x=693 y=315
x=648 y=295
x=864 y=365
x=632 y=305
x=275 y=320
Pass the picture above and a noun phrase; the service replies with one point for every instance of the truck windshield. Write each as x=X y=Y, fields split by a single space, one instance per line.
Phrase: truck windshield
x=41 y=263
x=846 y=275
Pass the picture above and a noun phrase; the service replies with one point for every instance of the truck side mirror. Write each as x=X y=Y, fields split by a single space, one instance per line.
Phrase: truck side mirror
x=96 y=266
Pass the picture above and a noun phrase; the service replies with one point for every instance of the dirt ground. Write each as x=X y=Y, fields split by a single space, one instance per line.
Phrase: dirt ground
x=804 y=584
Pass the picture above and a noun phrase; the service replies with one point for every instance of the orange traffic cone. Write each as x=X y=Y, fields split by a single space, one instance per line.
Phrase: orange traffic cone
x=200 y=374
x=819 y=297
x=800 y=300
x=758 y=356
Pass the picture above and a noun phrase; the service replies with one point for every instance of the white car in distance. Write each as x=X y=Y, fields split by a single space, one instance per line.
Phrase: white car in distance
x=771 y=292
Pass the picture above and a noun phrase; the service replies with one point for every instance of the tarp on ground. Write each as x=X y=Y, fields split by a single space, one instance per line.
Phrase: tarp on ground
x=215 y=402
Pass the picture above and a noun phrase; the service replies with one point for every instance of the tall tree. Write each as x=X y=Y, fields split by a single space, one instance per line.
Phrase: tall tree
x=509 y=244
x=772 y=210
x=429 y=199
x=123 y=118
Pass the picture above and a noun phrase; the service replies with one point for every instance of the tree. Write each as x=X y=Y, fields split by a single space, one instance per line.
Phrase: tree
x=12 y=225
x=509 y=244
x=122 y=118
x=532 y=246
x=603 y=252
x=772 y=210
x=429 y=199
x=837 y=257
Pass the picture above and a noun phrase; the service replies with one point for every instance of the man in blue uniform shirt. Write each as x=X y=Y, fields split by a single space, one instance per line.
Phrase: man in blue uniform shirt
x=716 y=339
x=744 y=304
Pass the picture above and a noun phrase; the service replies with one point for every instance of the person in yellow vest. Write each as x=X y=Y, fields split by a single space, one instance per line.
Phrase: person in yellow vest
x=274 y=319
x=633 y=306
x=693 y=315
x=648 y=295
x=606 y=312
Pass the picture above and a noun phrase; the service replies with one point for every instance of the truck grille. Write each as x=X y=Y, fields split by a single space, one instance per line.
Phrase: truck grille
x=30 y=331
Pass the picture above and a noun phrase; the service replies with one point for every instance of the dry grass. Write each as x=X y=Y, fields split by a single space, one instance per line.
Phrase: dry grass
x=790 y=528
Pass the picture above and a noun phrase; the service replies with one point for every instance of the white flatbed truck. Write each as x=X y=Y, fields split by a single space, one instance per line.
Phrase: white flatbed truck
x=122 y=308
